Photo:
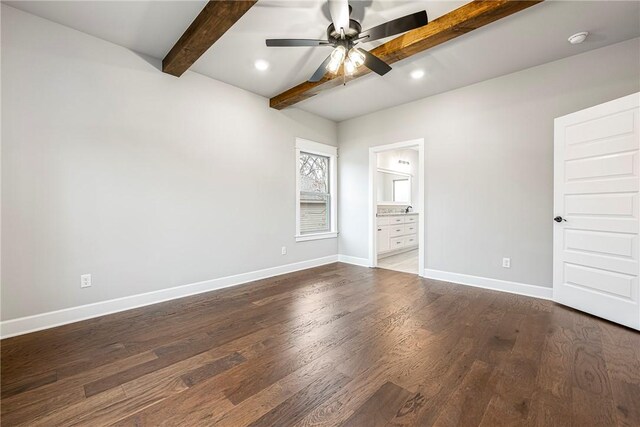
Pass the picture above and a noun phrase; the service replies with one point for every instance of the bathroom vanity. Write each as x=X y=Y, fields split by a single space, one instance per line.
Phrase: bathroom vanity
x=396 y=233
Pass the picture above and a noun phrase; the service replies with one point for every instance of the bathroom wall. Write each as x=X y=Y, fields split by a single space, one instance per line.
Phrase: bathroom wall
x=390 y=160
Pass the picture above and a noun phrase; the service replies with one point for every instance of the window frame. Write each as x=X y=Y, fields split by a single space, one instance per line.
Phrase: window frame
x=394 y=190
x=316 y=148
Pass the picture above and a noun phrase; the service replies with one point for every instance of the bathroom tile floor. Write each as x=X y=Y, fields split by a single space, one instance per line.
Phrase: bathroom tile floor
x=406 y=262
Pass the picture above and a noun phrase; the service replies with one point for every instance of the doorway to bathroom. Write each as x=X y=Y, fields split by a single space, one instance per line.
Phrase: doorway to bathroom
x=396 y=208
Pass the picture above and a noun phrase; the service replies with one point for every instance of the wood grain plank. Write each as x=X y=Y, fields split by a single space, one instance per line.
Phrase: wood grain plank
x=211 y=23
x=294 y=408
x=260 y=376
x=65 y=392
x=212 y=369
x=156 y=393
x=468 y=402
x=380 y=408
x=80 y=411
x=260 y=403
x=27 y=383
x=592 y=396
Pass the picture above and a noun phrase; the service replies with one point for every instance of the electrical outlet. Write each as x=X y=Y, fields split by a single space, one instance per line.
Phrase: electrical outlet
x=284 y=250
x=506 y=262
x=85 y=281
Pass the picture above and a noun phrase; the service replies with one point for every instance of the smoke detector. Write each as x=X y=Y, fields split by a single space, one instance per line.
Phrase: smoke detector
x=578 y=37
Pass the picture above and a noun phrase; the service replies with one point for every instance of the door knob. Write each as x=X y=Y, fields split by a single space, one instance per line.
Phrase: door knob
x=559 y=219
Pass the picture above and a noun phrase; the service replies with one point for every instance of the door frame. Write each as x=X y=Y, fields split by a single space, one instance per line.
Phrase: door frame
x=420 y=205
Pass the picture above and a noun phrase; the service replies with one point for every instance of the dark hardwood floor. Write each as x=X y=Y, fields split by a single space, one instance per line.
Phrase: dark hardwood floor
x=334 y=345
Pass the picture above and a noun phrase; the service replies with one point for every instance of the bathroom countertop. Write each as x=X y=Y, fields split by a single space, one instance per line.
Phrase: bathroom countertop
x=397 y=214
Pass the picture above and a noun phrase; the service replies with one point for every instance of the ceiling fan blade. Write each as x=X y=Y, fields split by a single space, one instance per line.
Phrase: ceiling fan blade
x=321 y=71
x=339 y=10
x=374 y=63
x=296 y=42
x=394 y=27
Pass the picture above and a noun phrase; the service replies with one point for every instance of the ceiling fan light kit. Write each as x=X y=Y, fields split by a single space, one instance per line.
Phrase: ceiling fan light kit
x=337 y=57
x=356 y=57
x=344 y=34
x=349 y=67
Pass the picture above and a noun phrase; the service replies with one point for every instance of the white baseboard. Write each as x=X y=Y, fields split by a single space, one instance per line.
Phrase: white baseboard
x=493 y=284
x=23 y=325
x=363 y=262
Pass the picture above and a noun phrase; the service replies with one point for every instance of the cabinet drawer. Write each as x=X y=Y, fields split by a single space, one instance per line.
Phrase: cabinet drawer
x=410 y=228
x=396 y=220
x=396 y=230
x=411 y=219
x=397 y=243
x=382 y=220
x=411 y=240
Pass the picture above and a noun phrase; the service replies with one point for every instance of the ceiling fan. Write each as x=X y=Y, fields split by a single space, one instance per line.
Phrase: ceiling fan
x=343 y=34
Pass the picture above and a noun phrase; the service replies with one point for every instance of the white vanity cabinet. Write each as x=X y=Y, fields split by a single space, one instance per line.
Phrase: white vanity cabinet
x=397 y=233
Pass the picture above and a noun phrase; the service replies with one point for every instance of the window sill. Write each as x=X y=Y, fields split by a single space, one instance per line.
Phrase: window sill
x=317 y=236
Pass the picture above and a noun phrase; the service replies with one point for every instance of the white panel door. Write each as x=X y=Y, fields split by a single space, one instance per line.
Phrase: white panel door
x=595 y=239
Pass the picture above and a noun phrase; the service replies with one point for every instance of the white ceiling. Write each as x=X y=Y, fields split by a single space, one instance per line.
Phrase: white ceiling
x=534 y=36
x=149 y=27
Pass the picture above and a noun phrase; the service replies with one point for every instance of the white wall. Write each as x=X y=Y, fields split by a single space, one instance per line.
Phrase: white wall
x=489 y=162
x=146 y=181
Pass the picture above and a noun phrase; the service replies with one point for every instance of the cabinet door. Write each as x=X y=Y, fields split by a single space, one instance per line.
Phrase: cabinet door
x=383 y=239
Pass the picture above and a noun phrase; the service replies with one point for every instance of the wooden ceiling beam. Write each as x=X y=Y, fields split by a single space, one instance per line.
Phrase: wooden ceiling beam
x=210 y=24
x=466 y=18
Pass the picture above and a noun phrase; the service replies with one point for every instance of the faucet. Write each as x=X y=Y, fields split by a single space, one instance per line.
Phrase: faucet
x=407 y=209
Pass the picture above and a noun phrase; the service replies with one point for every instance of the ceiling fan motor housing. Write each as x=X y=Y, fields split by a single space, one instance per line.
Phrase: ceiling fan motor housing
x=349 y=33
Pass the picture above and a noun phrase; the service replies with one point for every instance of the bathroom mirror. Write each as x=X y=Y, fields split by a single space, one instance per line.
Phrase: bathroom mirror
x=394 y=188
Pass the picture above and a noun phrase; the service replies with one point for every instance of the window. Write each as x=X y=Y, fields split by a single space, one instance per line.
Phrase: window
x=401 y=189
x=316 y=171
x=315 y=198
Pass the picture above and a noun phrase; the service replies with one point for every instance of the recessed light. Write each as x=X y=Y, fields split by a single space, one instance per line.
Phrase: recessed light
x=261 y=64
x=578 y=37
x=417 y=74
